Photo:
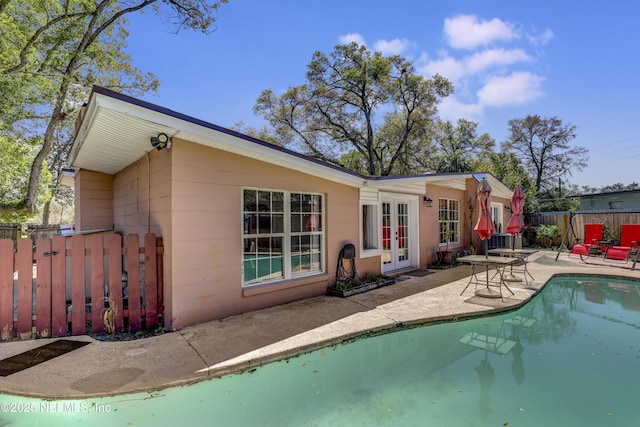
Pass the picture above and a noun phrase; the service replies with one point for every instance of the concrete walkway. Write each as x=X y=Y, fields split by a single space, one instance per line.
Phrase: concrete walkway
x=241 y=342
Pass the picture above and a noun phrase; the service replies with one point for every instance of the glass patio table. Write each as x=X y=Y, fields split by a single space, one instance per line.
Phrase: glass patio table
x=487 y=262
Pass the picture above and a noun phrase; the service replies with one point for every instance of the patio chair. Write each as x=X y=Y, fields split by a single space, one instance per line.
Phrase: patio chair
x=592 y=239
x=628 y=247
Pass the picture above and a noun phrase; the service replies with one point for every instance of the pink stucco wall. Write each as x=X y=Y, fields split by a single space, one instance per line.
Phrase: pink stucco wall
x=207 y=235
x=429 y=222
x=142 y=204
x=93 y=192
x=430 y=226
x=191 y=196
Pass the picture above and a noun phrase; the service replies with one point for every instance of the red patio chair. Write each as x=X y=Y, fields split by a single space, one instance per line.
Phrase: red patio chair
x=592 y=239
x=628 y=247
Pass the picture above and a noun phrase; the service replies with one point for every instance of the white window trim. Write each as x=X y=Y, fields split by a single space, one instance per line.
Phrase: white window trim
x=500 y=208
x=370 y=197
x=456 y=242
x=286 y=244
x=367 y=253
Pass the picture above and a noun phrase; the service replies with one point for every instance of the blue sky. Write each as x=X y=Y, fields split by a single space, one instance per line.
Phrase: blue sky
x=577 y=61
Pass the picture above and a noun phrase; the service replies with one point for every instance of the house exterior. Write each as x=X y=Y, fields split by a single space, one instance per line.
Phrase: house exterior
x=247 y=224
x=629 y=199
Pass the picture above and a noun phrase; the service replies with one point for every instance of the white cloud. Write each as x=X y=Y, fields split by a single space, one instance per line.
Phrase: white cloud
x=484 y=75
x=466 y=32
x=517 y=88
x=541 y=39
x=352 y=37
x=455 y=70
x=392 y=47
x=452 y=109
x=494 y=57
x=447 y=66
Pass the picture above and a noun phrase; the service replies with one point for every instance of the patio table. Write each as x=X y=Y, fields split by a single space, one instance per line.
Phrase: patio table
x=497 y=262
x=521 y=256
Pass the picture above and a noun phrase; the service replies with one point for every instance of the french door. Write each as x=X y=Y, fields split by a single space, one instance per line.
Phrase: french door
x=397 y=235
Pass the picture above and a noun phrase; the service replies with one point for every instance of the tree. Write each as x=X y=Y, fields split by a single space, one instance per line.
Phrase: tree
x=54 y=50
x=459 y=147
x=16 y=157
x=508 y=168
x=610 y=188
x=543 y=144
x=263 y=133
x=56 y=161
x=357 y=100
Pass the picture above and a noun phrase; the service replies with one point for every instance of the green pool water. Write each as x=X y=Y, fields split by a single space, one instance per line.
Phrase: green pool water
x=570 y=357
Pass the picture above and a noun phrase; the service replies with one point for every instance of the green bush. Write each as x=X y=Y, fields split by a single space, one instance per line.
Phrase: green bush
x=546 y=234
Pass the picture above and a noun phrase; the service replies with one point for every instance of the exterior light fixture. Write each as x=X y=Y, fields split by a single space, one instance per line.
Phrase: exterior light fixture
x=427 y=201
x=161 y=141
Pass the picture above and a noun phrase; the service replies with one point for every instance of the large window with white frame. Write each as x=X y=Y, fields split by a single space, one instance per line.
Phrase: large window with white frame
x=370 y=227
x=449 y=217
x=283 y=236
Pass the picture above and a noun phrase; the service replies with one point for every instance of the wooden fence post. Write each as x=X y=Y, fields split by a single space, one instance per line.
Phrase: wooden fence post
x=115 y=279
x=25 y=288
x=59 y=287
x=150 y=281
x=133 y=270
x=6 y=289
x=78 y=293
x=97 y=282
x=44 y=256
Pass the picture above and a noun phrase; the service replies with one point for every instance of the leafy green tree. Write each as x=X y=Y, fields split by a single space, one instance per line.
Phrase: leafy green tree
x=460 y=147
x=15 y=159
x=59 y=196
x=508 y=168
x=354 y=161
x=357 y=100
x=544 y=146
x=53 y=51
x=610 y=188
x=263 y=133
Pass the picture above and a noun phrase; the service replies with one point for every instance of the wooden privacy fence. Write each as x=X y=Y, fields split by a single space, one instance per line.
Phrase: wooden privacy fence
x=33 y=231
x=66 y=285
x=611 y=218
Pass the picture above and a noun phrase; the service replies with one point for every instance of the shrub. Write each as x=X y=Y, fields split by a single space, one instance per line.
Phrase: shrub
x=546 y=234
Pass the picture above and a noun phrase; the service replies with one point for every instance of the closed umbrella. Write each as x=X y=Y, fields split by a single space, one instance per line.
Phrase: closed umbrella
x=484 y=227
x=517 y=205
x=516 y=222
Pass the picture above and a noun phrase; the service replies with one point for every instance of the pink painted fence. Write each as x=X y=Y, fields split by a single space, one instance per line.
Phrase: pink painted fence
x=61 y=286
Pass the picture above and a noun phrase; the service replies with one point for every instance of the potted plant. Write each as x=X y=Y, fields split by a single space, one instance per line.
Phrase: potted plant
x=445 y=256
x=347 y=287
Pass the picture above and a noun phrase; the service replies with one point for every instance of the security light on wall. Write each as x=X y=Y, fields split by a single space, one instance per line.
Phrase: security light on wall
x=161 y=141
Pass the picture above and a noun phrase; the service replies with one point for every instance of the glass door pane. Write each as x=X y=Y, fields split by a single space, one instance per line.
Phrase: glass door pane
x=386 y=233
x=402 y=230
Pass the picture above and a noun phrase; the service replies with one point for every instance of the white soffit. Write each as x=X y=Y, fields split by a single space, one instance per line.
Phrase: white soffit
x=114 y=140
x=115 y=134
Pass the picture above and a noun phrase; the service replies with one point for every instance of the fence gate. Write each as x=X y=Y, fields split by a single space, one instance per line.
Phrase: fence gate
x=66 y=285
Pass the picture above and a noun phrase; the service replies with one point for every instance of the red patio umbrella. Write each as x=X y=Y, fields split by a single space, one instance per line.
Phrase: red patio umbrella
x=484 y=227
x=517 y=205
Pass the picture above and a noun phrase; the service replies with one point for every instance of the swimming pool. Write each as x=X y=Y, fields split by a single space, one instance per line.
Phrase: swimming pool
x=569 y=357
